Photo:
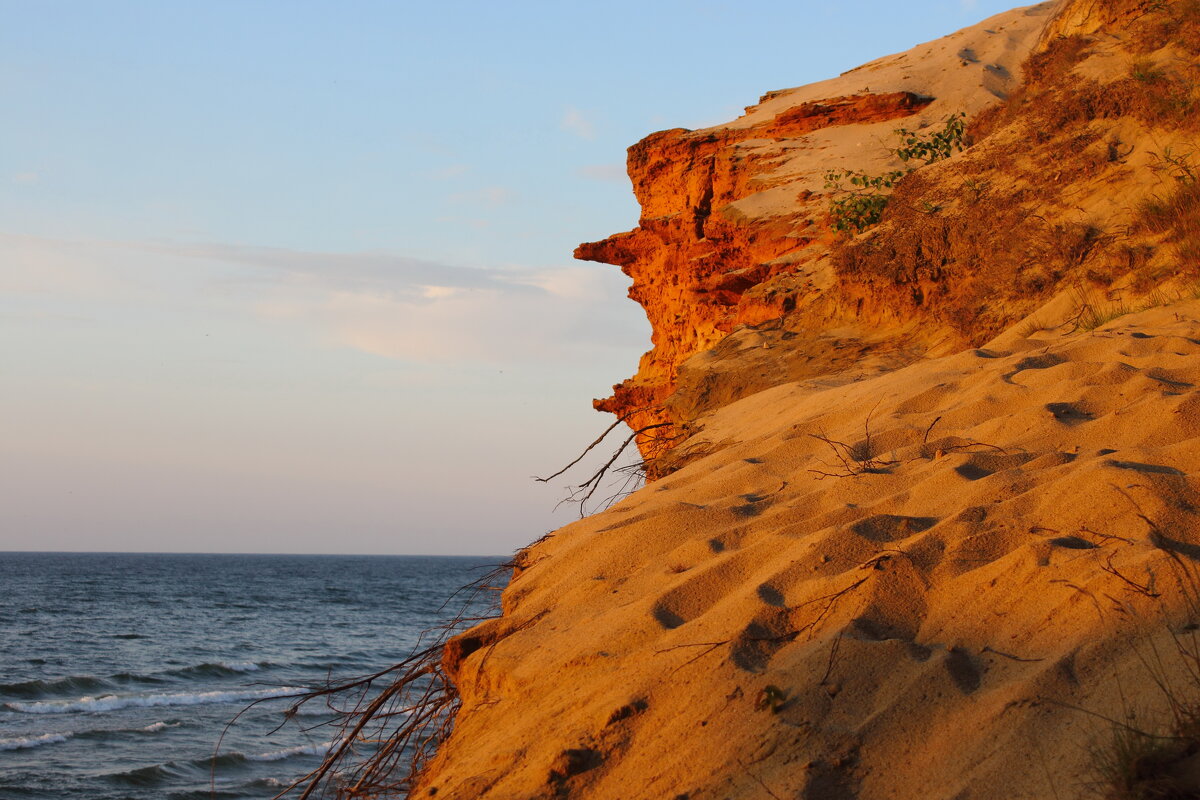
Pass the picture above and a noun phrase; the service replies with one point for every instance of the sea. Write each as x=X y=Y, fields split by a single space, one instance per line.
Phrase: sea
x=120 y=674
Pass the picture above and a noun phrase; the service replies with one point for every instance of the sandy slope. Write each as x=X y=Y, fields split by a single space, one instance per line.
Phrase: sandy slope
x=934 y=582
x=924 y=622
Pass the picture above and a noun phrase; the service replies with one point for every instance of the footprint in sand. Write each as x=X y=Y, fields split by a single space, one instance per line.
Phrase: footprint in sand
x=1044 y=361
x=981 y=465
x=889 y=527
x=1069 y=413
x=963 y=671
x=702 y=589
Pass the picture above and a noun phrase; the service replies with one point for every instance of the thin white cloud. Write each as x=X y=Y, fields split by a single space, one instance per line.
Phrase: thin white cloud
x=34 y=265
x=385 y=304
x=573 y=121
x=465 y=222
x=26 y=178
x=375 y=271
x=491 y=196
x=604 y=172
x=450 y=172
x=547 y=315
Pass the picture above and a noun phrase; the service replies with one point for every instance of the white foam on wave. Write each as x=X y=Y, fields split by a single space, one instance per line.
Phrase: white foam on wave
x=241 y=666
x=302 y=750
x=159 y=726
x=34 y=741
x=110 y=702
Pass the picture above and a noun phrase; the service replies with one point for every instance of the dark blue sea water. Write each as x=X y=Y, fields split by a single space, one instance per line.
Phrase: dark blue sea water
x=118 y=672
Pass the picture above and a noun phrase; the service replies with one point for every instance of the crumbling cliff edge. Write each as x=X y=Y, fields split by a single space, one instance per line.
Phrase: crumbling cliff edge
x=926 y=500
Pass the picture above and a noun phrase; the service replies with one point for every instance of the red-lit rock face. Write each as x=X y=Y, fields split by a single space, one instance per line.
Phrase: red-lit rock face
x=693 y=257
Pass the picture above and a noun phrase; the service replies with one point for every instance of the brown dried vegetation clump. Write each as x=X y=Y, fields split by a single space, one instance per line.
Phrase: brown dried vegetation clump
x=1040 y=201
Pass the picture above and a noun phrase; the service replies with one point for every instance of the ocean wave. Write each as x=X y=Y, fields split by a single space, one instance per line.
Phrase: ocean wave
x=155 y=727
x=24 y=743
x=153 y=775
x=104 y=733
x=220 y=668
x=300 y=750
x=76 y=684
x=111 y=702
x=37 y=688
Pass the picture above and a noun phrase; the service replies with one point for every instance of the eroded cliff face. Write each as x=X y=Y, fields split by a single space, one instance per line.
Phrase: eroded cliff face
x=746 y=286
x=695 y=254
x=734 y=221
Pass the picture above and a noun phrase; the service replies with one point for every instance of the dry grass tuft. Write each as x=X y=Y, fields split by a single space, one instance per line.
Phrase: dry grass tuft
x=1010 y=234
x=1176 y=217
x=1156 y=760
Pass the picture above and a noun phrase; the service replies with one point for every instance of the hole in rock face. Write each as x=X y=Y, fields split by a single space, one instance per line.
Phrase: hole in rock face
x=751 y=509
x=753 y=648
x=972 y=472
x=972 y=515
x=628 y=710
x=573 y=762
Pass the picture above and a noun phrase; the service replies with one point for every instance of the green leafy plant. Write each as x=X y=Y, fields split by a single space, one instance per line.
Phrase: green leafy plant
x=861 y=198
x=931 y=147
x=862 y=206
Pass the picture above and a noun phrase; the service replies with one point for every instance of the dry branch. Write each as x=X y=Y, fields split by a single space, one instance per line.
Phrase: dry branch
x=389 y=723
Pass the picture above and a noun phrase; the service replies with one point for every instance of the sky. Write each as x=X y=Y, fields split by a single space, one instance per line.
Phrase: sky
x=295 y=276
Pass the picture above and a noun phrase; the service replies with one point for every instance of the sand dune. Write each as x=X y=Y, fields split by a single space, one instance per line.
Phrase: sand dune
x=877 y=563
x=932 y=604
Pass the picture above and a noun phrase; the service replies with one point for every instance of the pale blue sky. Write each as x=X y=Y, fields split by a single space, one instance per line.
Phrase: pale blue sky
x=296 y=276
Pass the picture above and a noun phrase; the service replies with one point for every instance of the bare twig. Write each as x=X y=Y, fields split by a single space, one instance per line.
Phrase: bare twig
x=831 y=601
x=1010 y=656
x=1104 y=536
x=833 y=652
x=758 y=780
x=400 y=724
x=1145 y=590
x=588 y=449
